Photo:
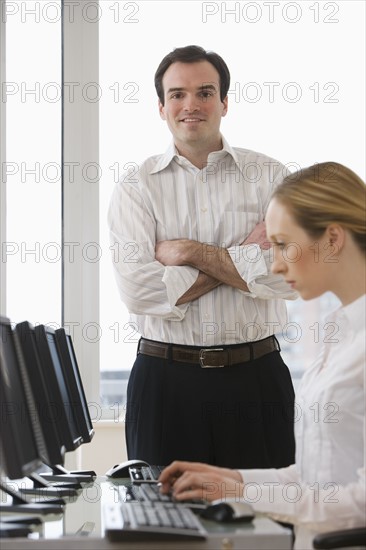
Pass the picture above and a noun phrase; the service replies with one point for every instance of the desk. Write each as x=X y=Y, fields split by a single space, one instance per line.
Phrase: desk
x=86 y=511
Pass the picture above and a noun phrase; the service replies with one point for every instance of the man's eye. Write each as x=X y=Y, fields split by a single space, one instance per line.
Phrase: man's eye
x=176 y=96
x=206 y=95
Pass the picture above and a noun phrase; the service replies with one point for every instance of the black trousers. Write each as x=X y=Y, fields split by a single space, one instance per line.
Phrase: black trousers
x=240 y=416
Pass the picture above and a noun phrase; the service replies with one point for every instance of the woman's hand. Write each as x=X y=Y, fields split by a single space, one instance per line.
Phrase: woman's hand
x=194 y=480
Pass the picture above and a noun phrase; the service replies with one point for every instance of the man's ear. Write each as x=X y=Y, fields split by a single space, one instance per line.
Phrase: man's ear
x=225 y=103
x=161 y=110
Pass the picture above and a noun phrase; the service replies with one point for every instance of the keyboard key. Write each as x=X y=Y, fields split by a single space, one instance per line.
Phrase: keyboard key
x=145 y=473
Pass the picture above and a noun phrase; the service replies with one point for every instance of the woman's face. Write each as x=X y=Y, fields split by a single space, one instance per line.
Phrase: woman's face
x=304 y=262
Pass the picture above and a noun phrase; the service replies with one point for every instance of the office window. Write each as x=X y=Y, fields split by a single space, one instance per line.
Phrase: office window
x=32 y=93
x=276 y=100
x=279 y=103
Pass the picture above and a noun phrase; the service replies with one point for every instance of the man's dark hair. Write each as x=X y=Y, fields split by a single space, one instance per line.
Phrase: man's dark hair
x=193 y=54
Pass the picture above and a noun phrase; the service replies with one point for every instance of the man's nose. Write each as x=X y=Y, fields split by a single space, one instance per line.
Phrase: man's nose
x=191 y=103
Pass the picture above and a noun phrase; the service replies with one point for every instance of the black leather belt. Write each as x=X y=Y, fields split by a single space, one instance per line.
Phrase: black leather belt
x=210 y=357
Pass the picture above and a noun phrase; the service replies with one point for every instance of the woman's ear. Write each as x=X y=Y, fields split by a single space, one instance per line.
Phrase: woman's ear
x=336 y=235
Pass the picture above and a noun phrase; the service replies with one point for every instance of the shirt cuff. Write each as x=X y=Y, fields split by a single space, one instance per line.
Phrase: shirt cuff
x=253 y=266
x=250 y=264
x=259 y=475
x=177 y=280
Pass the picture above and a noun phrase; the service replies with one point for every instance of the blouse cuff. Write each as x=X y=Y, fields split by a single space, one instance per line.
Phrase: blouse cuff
x=266 y=494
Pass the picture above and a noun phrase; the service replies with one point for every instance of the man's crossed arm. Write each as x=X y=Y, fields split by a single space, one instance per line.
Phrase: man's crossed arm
x=213 y=262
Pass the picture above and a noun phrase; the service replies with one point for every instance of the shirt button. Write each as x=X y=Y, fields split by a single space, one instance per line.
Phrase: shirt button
x=203 y=209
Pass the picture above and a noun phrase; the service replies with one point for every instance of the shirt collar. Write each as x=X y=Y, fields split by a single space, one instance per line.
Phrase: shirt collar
x=355 y=312
x=165 y=159
x=172 y=153
x=351 y=315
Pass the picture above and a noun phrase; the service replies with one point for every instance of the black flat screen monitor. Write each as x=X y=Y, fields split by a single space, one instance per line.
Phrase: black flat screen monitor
x=19 y=437
x=58 y=390
x=75 y=384
x=48 y=408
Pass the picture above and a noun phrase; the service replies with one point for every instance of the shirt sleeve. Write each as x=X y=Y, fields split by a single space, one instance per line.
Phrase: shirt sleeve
x=280 y=494
x=254 y=264
x=145 y=285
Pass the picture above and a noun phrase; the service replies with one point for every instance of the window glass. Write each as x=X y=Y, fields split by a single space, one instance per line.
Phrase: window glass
x=280 y=104
x=32 y=92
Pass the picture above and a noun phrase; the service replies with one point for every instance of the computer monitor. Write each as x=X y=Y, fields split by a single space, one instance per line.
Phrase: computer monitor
x=20 y=438
x=53 y=399
x=48 y=409
x=75 y=384
x=58 y=389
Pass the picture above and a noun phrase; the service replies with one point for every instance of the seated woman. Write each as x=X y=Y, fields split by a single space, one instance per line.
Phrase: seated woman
x=316 y=224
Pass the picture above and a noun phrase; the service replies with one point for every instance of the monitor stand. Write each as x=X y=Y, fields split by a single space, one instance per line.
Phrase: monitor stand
x=38 y=506
x=46 y=488
x=19 y=529
x=59 y=473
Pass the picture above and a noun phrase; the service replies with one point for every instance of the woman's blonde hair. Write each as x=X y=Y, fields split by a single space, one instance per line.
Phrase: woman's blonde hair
x=326 y=193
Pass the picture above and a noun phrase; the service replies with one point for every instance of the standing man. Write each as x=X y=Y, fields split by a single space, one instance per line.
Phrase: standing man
x=208 y=383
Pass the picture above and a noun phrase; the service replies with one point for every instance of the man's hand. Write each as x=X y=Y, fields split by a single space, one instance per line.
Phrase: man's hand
x=173 y=252
x=176 y=253
x=258 y=236
x=194 y=480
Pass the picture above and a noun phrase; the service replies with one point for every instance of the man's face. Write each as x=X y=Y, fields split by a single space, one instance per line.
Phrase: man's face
x=192 y=106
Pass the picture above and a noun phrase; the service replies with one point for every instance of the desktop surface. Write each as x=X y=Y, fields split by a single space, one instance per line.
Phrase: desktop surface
x=82 y=526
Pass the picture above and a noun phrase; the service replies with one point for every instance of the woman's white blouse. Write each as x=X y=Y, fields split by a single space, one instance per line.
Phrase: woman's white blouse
x=325 y=490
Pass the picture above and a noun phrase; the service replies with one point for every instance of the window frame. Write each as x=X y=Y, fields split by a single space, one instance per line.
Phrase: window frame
x=80 y=198
x=2 y=163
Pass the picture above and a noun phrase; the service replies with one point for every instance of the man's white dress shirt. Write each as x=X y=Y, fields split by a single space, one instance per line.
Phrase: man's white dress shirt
x=325 y=490
x=169 y=198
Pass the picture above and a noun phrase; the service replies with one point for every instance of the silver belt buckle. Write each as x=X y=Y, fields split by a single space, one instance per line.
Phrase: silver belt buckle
x=202 y=358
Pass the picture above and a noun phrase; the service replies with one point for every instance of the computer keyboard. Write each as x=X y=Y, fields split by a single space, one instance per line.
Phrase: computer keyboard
x=140 y=474
x=150 y=493
x=142 y=521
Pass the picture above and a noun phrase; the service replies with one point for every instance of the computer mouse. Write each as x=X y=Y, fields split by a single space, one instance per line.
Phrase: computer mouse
x=122 y=469
x=228 y=511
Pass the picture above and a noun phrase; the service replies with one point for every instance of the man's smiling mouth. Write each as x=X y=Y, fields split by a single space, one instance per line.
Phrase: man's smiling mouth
x=190 y=119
